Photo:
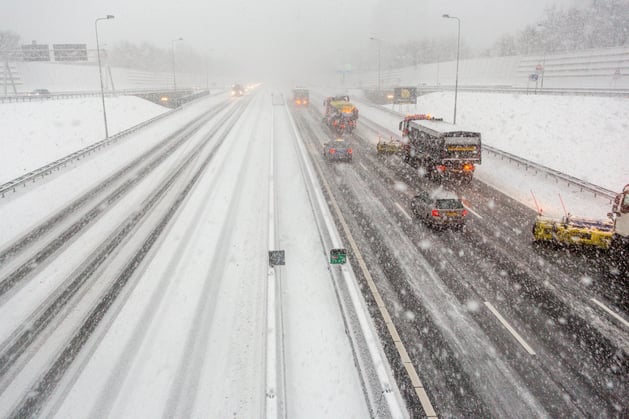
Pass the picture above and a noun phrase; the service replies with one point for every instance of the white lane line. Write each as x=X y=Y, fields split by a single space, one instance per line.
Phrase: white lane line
x=611 y=312
x=275 y=389
x=417 y=384
x=510 y=329
x=403 y=212
x=466 y=204
x=363 y=166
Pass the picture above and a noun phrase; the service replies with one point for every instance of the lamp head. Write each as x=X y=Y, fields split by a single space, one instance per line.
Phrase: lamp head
x=110 y=17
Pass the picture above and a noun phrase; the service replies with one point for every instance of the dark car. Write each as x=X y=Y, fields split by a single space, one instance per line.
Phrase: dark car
x=40 y=92
x=338 y=149
x=439 y=208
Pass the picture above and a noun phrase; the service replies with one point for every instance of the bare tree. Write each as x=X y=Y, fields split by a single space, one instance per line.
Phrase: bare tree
x=9 y=41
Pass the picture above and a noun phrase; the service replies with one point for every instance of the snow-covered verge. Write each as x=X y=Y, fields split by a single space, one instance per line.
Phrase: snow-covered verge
x=36 y=133
x=584 y=137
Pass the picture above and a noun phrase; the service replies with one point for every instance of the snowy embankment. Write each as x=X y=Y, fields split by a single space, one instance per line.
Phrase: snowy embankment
x=34 y=134
x=584 y=137
x=581 y=136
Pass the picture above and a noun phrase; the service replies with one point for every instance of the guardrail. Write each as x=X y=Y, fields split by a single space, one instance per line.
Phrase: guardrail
x=27 y=97
x=531 y=90
x=12 y=185
x=570 y=180
x=520 y=90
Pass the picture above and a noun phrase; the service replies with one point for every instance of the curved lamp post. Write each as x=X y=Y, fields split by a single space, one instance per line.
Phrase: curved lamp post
x=100 y=72
x=458 y=44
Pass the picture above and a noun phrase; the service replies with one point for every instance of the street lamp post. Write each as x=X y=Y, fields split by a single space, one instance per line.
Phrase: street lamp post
x=172 y=43
x=539 y=25
x=379 y=73
x=458 y=45
x=100 y=72
x=207 y=69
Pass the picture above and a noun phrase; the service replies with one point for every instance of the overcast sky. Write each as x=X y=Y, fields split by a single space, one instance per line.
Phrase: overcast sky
x=270 y=36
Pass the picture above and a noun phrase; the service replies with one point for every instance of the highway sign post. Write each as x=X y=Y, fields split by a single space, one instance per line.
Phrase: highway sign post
x=338 y=256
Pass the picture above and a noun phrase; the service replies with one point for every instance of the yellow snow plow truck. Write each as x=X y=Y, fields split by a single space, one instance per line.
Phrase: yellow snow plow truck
x=392 y=146
x=611 y=234
x=571 y=230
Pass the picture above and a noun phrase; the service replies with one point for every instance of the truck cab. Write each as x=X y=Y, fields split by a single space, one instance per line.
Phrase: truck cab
x=620 y=240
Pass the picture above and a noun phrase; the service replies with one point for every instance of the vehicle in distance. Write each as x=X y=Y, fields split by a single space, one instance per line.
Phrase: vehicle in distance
x=40 y=92
x=339 y=149
x=439 y=208
x=340 y=115
x=237 y=90
x=301 y=96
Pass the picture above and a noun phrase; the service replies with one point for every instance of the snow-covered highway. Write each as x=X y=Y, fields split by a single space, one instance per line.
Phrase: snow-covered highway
x=136 y=282
x=146 y=293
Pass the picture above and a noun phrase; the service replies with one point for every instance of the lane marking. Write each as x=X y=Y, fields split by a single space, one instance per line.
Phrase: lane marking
x=363 y=166
x=403 y=212
x=274 y=390
x=466 y=204
x=611 y=312
x=413 y=376
x=309 y=166
x=510 y=329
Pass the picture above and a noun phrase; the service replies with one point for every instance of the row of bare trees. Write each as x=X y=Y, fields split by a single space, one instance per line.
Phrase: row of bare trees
x=603 y=23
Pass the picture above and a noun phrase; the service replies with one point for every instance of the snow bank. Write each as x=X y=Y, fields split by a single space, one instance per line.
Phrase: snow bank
x=36 y=133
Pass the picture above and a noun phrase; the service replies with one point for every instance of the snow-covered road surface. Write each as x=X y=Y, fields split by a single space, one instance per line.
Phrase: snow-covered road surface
x=161 y=302
x=158 y=306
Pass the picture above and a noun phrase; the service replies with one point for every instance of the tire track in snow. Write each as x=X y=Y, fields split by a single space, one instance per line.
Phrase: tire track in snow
x=121 y=370
x=180 y=402
x=41 y=390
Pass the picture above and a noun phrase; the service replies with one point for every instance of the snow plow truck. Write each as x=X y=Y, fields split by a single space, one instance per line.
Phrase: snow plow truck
x=340 y=115
x=444 y=150
x=611 y=235
x=301 y=96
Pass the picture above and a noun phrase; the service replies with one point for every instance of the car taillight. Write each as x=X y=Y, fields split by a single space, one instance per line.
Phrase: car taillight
x=435 y=213
x=440 y=168
x=332 y=151
x=349 y=151
x=464 y=213
x=468 y=167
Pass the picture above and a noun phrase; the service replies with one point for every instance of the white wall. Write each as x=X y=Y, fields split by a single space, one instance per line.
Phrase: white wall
x=594 y=68
x=61 y=77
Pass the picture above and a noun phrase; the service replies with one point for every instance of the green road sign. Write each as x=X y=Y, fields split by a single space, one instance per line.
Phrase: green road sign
x=276 y=257
x=338 y=256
